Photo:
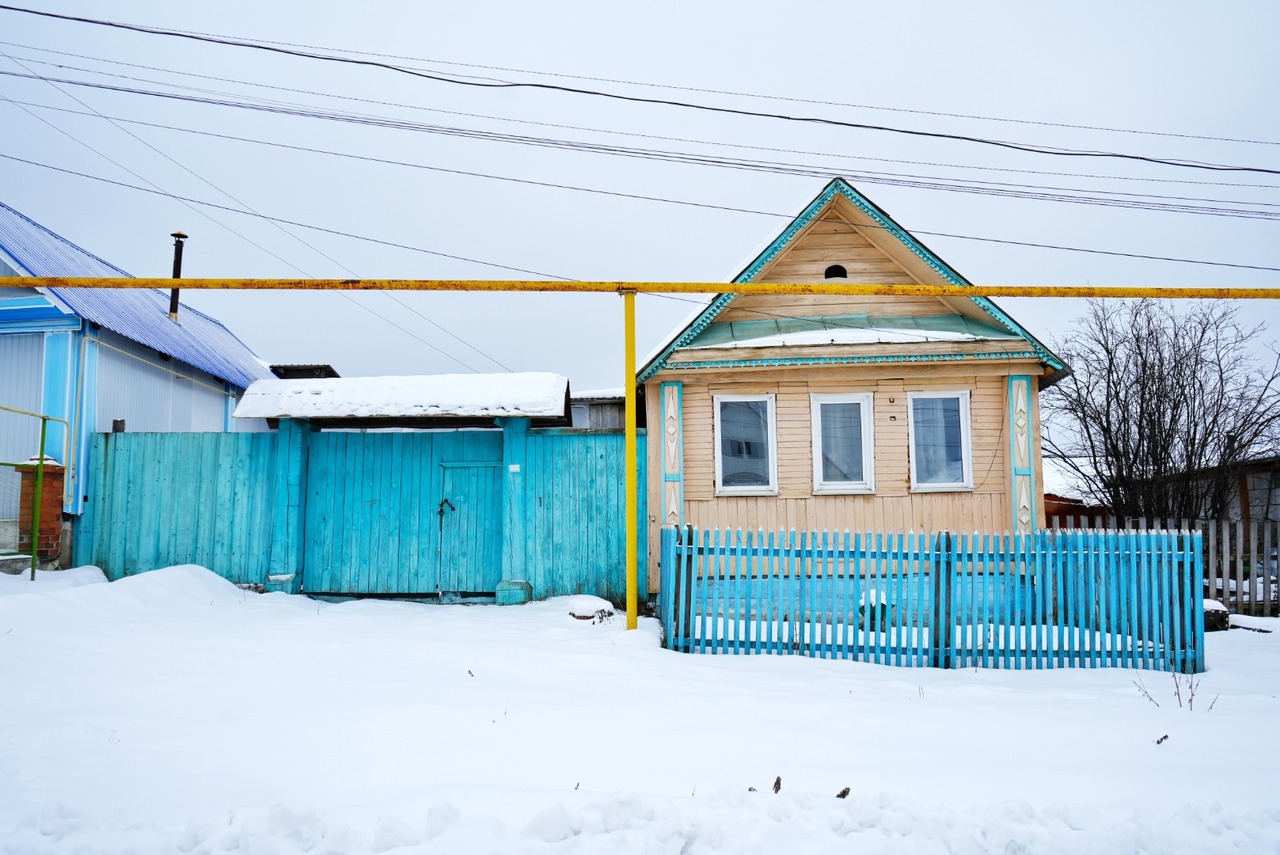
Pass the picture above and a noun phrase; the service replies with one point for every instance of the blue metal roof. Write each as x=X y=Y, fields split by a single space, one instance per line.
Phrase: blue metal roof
x=135 y=313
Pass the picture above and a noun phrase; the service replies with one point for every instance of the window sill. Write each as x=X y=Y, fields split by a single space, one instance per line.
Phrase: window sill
x=943 y=488
x=840 y=490
x=730 y=492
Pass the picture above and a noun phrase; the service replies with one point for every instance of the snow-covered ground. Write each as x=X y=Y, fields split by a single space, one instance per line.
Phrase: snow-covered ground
x=172 y=712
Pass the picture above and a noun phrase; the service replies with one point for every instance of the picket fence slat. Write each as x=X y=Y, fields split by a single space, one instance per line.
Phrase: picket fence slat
x=1067 y=598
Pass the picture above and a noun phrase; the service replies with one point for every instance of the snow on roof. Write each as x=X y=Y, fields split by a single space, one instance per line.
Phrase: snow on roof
x=600 y=394
x=864 y=335
x=139 y=314
x=529 y=394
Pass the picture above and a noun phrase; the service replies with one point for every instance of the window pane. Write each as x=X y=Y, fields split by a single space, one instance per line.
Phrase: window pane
x=841 y=442
x=939 y=455
x=744 y=443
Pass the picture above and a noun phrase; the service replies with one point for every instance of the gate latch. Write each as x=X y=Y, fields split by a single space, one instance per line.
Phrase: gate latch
x=444 y=502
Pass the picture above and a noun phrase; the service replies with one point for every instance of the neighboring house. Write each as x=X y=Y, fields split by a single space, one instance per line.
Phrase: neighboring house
x=1258 y=491
x=94 y=357
x=600 y=409
x=842 y=412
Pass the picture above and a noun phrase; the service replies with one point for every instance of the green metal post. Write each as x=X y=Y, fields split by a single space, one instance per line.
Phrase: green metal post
x=38 y=494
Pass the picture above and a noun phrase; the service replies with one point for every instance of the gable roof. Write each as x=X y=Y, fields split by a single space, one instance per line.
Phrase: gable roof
x=139 y=314
x=685 y=334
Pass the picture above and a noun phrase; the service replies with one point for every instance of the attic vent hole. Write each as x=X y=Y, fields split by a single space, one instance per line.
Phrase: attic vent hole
x=836 y=271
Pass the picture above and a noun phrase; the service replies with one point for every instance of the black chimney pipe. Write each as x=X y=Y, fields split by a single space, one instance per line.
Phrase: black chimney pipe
x=178 y=238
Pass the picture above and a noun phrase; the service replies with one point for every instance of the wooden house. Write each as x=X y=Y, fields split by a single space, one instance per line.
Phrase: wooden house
x=838 y=412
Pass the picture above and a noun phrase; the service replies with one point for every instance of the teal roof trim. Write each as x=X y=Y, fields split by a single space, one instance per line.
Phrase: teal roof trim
x=807 y=216
x=770 y=362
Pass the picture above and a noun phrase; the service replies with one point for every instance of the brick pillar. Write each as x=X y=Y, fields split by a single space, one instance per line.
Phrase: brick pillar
x=50 y=538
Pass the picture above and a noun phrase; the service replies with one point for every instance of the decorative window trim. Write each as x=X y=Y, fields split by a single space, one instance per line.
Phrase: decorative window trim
x=966 y=443
x=771 y=489
x=868 y=483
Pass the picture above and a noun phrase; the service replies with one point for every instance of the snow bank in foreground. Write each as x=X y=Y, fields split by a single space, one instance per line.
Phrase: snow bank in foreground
x=49 y=580
x=173 y=712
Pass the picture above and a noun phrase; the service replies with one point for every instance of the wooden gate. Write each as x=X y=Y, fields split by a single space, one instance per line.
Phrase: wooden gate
x=470 y=527
x=403 y=513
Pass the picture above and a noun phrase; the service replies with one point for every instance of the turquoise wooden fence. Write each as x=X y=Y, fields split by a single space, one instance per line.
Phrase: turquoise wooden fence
x=386 y=514
x=1043 y=600
x=157 y=499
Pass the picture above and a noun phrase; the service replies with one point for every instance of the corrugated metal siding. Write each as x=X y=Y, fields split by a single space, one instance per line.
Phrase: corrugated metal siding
x=21 y=381
x=156 y=500
x=138 y=314
x=41 y=252
x=143 y=316
x=151 y=394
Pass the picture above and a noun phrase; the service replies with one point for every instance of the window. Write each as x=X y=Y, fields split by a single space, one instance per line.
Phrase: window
x=746 y=448
x=938 y=424
x=843 y=461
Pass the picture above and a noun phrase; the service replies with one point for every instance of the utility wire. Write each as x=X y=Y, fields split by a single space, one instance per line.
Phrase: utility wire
x=255 y=212
x=439 y=78
x=680 y=157
x=300 y=225
x=864 y=175
x=756 y=95
x=120 y=127
x=562 y=126
x=1089 y=251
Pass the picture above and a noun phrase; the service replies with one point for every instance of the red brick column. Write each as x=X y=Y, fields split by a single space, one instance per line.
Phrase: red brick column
x=50 y=538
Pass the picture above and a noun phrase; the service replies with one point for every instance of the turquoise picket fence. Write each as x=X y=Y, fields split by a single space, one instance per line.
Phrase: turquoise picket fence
x=1044 y=600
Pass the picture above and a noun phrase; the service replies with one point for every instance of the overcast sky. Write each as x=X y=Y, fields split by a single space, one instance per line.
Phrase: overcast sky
x=1167 y=80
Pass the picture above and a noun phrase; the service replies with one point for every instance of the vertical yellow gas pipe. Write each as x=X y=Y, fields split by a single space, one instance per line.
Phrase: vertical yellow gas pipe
x=633 y=500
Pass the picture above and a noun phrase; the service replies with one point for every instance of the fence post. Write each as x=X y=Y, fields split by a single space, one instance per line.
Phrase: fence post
x=941 y=618
x=667 y=584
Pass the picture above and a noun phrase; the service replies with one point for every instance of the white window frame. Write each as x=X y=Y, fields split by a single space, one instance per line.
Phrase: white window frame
x=868 y=482
x=966 y=443
x=771 y=489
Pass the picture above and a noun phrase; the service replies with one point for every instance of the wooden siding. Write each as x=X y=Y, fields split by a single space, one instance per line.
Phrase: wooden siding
x=831 y=240
x=372 y=514
x=156 y=500
x=576 y=508
x=988 y=406
x=754 y=307
x=369 y=513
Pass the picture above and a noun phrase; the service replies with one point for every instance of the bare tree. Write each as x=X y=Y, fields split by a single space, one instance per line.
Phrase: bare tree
x=1163 y=406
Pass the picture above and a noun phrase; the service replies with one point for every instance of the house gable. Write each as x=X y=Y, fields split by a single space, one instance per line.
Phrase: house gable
x=841 y=226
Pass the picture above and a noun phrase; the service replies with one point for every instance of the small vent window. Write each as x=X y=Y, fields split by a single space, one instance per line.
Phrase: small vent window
x=836 y=271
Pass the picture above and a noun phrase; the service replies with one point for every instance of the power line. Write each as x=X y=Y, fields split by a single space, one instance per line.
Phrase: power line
x=380 y=317
x=457 y=338
x=438 y=78
x=322 y=229
x=255 y=212
x=563 y=126
x=916 y=182
x=568 y=279
x=157 y=189
x=204 y=214
x=760 y=96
